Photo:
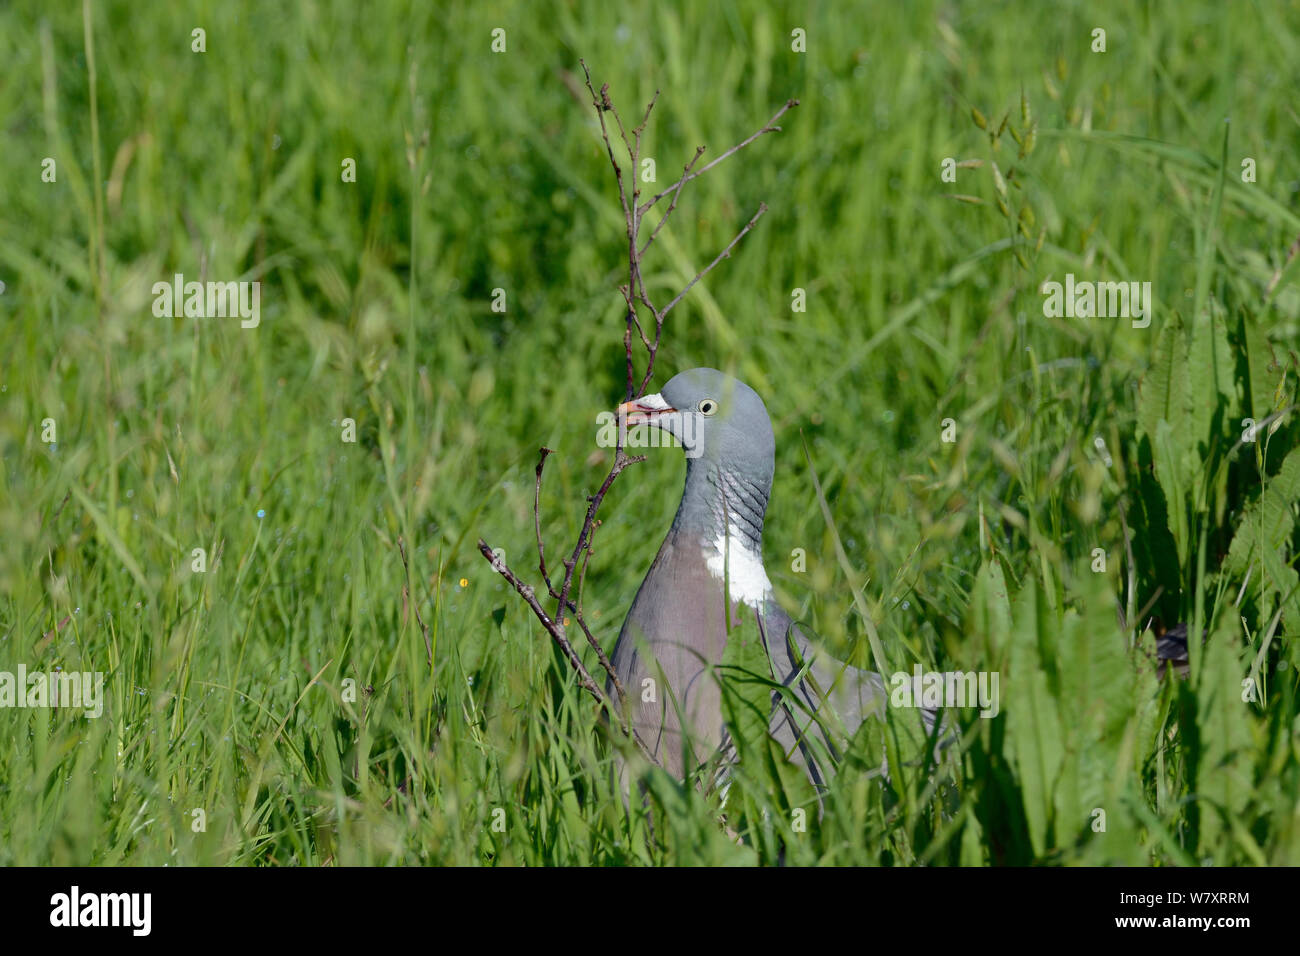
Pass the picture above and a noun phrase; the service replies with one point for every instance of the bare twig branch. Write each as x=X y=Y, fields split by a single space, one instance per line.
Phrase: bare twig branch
x=633 y=211
x=724 y=254
x=631 y=309
x=635 y=153
x=556 y=630
x=569 y=604
x=621 y=461
x=646 y=119
x=634 y=292
x=602 y=104
x=660 y=316
x=699 y=151
x=771 y=127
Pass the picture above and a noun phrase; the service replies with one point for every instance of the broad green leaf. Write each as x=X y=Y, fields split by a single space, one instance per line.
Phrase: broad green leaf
x=1170 y=473
x=1033 y=722
x=1213 y=387
x=991 y=609
x=1264 y=373
x=1268 y=521
x=1096 y=702
x=1166 y=387
x=1220 y=756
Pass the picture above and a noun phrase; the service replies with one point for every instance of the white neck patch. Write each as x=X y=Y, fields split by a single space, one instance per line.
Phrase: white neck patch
x=740 y=568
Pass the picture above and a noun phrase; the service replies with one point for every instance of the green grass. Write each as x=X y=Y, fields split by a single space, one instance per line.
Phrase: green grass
x=175 y=434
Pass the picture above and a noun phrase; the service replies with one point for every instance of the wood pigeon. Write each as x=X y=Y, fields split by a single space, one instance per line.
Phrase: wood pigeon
x=707 y=586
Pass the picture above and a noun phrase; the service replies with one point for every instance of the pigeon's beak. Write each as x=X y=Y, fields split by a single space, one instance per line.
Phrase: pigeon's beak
x=644 y=410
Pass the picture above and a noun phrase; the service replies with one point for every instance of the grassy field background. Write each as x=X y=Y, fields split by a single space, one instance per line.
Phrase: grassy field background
x=479 y=171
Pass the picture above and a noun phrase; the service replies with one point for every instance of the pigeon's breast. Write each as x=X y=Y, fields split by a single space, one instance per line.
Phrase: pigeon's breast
x=675 y=632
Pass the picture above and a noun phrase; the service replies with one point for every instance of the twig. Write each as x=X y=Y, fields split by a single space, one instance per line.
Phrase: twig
x=602 y=105
x=569 y=603
x=660 y=316
x=634 y=292
x=555 y=629
x=621 y=461
x=699 y=151
x=724 y=254
x=771 y=127
x=633 y=212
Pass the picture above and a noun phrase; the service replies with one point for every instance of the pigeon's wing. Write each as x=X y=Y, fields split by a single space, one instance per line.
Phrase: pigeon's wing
x=824 y=701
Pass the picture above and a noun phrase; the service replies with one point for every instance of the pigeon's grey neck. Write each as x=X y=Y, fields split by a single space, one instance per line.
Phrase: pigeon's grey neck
x=712 y=491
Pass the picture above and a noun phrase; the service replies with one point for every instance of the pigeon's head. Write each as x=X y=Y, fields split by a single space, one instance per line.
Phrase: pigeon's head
x=716 y=418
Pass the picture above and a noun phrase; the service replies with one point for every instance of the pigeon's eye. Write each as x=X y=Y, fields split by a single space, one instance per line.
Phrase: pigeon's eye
x=707 y=406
